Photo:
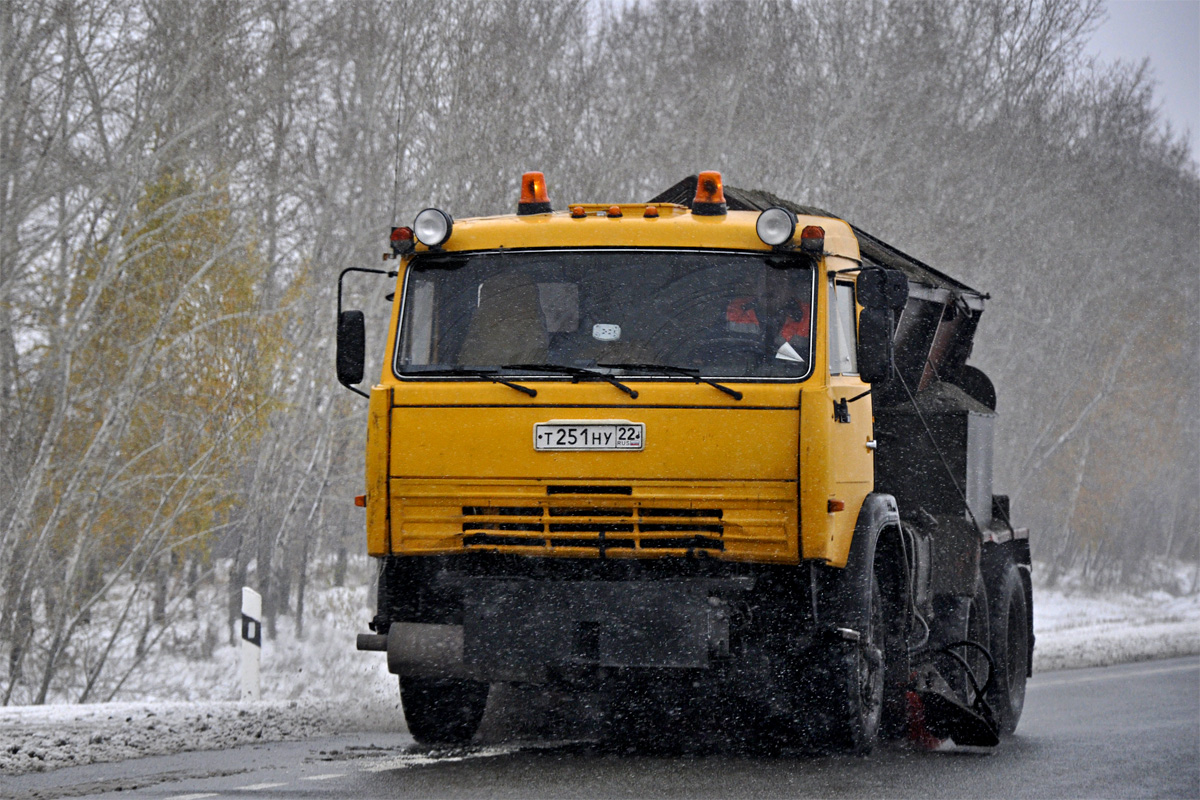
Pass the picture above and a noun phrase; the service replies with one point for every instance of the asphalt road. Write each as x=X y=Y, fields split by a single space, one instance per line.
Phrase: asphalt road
x=1125 y=731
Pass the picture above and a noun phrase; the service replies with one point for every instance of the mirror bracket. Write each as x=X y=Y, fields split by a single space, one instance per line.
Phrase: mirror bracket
x=351 y=336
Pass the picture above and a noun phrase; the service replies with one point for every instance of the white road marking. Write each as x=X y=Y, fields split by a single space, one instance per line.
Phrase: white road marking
x=256 y=787
x=191 y=796
x=328 y=777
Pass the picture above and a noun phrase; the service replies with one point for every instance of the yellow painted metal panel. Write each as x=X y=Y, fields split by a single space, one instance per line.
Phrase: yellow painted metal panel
x=853 y=465
x=561 y=392
x=756 y=519
x=378 y=447
x=736 y=230
x=393 y=336
x=680 y=444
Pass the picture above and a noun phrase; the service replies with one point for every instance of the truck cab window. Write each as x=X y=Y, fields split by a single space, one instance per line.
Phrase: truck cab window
x=725 y=314
x=508 y=325
x=418 y=345
x=843 y=339
x=560 y=306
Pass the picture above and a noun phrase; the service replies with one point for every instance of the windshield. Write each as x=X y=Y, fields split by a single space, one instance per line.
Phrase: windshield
x=733 y=315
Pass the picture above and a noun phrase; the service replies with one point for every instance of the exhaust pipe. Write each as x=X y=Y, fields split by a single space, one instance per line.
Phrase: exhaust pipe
x=419 y=649
x=371 y=641
x=425 y=650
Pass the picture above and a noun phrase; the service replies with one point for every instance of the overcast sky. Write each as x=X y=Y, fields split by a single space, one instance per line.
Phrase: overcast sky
x=1168 y=33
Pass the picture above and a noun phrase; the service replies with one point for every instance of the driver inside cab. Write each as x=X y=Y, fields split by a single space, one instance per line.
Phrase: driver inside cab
x=778 y=313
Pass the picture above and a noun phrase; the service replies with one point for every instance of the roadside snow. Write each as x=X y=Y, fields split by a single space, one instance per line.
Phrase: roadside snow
x=35 y=738
x=1074 y=629
x=312 y=687
x=321 y=685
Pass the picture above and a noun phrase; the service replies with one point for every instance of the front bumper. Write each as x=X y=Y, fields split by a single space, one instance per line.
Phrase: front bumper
x=524 y=630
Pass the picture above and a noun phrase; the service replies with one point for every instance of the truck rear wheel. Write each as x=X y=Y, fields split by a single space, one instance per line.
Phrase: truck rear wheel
x=442 y=711
x=1009 y=645
x=978 y=627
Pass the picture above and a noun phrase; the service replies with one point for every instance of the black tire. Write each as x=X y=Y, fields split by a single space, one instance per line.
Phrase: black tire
x=848 y=683
x=978 y=631
x=1009 y=624
x=897 y=667
x=442 y=711
x=961 y=618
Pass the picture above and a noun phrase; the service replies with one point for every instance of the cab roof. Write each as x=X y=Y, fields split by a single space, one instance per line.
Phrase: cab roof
x=626 y=225
x=874 y=251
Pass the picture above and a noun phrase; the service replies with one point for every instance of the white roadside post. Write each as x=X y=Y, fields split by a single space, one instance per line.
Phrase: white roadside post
x=251 y=643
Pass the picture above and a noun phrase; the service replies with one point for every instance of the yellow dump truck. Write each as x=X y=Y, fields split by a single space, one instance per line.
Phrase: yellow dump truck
x=715 y=458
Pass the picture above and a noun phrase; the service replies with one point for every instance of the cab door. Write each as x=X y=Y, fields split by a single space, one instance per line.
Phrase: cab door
x=852 y=457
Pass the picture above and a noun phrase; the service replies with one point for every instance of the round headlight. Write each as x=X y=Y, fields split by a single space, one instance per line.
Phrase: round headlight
x=432 y=227
x=776 y=225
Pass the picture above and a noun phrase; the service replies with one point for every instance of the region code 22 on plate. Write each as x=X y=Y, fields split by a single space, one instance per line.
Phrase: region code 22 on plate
x=609 y=434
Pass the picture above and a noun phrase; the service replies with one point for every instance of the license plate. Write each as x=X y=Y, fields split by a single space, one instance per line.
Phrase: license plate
x=609 y=434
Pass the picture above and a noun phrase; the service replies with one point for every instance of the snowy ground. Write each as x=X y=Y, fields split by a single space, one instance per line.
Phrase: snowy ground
x=1077 y=630
x=323 y=685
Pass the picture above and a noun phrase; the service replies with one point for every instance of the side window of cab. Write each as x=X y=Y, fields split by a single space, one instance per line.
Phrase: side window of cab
x=843 y=344
x=418 y=343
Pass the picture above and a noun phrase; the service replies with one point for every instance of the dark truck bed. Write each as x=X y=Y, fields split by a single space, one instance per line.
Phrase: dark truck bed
x=935 y=330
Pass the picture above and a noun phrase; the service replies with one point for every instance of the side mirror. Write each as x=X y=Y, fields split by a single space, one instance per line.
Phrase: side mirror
x=351 y=347
x=883 y=288
x=875 y=345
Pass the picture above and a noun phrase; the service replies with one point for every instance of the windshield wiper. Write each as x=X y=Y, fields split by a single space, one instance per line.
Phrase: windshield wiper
x=694 y=374
x=577 y=373
x=490 y=374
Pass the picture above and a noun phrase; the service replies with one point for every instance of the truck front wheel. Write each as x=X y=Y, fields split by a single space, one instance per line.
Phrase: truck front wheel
x=1009 y=644
x=440 y=711
x=849 y=686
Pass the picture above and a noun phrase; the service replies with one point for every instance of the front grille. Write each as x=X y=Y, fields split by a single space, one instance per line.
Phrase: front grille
x=501 y=511
x=654 y=519
x=602 y=528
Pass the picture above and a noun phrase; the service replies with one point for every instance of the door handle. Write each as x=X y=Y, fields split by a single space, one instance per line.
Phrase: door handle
x=871 y=444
